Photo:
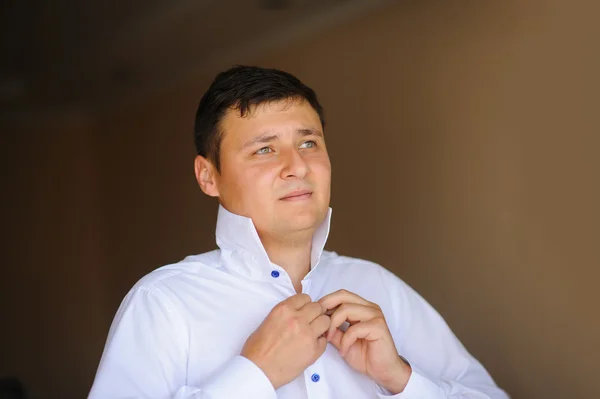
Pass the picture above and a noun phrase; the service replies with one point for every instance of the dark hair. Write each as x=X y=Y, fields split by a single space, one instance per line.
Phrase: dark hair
x=241 y=88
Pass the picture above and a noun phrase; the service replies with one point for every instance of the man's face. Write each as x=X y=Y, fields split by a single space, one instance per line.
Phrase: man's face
x=275 y=168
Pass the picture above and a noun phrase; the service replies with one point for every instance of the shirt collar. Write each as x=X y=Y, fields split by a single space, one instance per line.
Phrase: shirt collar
x=243 y=251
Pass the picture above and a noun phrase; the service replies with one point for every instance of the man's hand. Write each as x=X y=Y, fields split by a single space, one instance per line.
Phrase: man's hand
x=367 y=345
x=289 y=339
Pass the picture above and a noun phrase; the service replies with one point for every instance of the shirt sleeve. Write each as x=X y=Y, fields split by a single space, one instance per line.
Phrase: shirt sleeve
x=145 y=356
x=441 y=366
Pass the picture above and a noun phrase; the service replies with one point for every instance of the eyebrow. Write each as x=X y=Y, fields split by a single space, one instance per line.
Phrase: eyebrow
x=309 y=132
x=267 y=138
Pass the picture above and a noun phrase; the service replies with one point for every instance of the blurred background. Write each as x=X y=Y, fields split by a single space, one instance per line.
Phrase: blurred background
x=464 y=137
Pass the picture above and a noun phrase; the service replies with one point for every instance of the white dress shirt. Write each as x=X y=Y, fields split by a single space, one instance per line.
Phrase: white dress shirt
x=179 y=331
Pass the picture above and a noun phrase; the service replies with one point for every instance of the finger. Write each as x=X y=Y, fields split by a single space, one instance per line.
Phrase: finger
x=352 y=313
x=368 y=330
x=329 y=312
x=299 y=300
x=336 y=338
x=311 y=311
x=320 y=325
x=336 y=298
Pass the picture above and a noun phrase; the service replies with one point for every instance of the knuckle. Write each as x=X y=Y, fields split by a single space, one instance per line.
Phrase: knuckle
x=294 y=323
x=323 y=322
x=343 y=311
x=280 y=309
x=304 y=297
x=321 y=306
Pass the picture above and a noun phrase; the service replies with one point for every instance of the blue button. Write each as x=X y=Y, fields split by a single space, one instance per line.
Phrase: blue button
x=315 y=377
x=275 y=274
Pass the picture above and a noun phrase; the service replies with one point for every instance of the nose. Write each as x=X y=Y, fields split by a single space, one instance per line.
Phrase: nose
x=294 y=166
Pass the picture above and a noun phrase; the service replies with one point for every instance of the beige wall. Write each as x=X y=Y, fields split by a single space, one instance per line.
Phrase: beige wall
x=53 y=285
x=464 y=140
x=466 y=136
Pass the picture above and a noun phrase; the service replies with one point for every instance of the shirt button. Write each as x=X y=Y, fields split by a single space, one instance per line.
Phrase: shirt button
x=274 y=274
x=315 y=377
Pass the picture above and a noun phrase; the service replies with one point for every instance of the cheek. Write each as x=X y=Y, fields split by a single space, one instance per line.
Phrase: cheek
x=322 y=178
x=321 y=167
x=259 y=180
x=235 y=186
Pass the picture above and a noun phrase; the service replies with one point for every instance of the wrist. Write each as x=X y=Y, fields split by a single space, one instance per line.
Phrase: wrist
x=398 y=378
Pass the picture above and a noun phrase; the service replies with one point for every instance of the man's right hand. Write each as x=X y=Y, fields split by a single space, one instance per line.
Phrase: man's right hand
x=289 y=339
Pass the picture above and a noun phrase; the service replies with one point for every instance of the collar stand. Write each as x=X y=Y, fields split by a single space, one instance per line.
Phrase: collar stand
x=243 y=251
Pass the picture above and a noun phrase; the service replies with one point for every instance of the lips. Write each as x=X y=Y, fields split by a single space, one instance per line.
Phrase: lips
x=297 y=195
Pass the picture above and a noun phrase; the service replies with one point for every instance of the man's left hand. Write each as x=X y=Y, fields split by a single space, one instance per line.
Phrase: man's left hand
x=367 y=345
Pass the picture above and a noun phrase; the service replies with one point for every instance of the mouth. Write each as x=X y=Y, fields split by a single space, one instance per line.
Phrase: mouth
x=297 y=195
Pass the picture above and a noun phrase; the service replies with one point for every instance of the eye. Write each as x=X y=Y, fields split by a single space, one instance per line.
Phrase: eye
x=309 y=144
x=264 y=150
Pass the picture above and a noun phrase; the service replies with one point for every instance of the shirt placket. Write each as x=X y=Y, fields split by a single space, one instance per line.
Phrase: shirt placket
x=314 y=375
x=316 y=380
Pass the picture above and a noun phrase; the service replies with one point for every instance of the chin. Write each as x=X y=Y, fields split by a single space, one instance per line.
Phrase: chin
x=304 y=220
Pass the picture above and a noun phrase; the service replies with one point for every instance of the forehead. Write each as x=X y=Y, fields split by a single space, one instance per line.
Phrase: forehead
x=277 y=117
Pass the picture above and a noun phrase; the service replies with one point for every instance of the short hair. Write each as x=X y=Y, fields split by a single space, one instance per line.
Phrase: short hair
x=241 y=88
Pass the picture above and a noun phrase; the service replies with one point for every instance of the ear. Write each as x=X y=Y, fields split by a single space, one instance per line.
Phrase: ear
x=206 y=176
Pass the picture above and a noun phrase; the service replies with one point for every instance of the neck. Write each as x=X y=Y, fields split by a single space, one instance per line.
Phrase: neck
x=292 y=254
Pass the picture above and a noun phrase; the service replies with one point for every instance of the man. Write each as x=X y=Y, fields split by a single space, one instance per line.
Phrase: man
x=271 y=314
